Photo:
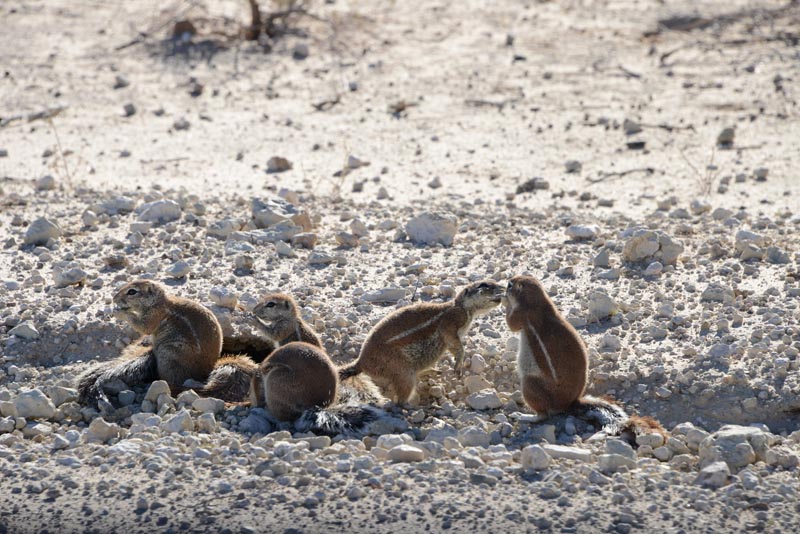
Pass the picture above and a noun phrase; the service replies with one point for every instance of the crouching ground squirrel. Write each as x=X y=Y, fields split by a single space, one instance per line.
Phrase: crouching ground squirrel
x=187 y=341
x=414 y=338
x=553 y=364
x=294 y=378
x=299 y=382
x=278 y=318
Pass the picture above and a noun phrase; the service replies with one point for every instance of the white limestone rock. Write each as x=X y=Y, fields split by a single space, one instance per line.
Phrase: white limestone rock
x=429 y=228
x=159 y=211
x=737 y=446
x=224 y=228
x=70 y=275
x=34 y=404
x=100 y=431
x=569 y=453
x=25 y=330
x=601 y=306
x=121 y=205
x=698 y=207
x=534 y=457
x=486 y=399
x=224 y=297
x=612 y=463
x=580 y=232
x=206 y=423
x=59 y=395
x=389 y=441
x=156 y=389
x=406 y=453
x=209 y=405
x=714 y=476
x=385 y=295
x=180 y=422
x=272 y=211
x=40 y=231
x=644 y=244
x=717 y=293
x=179 y=269
x=476 y=383
x=46 y=183
x=473 y=436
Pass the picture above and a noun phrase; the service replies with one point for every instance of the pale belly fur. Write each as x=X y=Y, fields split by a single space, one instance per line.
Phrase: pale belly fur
x=526 y=361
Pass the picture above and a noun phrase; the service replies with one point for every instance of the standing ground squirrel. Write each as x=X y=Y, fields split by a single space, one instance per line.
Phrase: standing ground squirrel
x=414 y=338
x=187 y=341
x=552 y=362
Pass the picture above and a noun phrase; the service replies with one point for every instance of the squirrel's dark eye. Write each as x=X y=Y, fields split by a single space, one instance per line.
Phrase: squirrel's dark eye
x=483 y=286
x=270 y=304
x=131 y=291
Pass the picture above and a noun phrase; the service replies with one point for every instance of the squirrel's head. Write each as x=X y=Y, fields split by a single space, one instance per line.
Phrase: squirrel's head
x=525 y=291
x=135 y=297
x=274 y=307
x=481 y=296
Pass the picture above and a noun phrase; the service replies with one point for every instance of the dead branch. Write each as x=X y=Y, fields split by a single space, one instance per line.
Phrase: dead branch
x=325 y=105
x=479 y=103
x=629 y=73
x=620 y=174
x=254 y=30
x=45 y=114
x=668 y=127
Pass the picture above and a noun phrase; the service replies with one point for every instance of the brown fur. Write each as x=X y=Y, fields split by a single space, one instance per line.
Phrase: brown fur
x=294 y=378
x=281 y=323
x=555 y=377
x=553 y=373
x=414 y=338
x=230 y=380
x=186 y=340
x=279 y=320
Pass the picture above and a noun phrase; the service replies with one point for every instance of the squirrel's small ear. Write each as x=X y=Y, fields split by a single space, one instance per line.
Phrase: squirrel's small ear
x=286 y=304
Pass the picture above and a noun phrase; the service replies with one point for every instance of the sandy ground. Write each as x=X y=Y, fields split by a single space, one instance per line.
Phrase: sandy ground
x=454 y=106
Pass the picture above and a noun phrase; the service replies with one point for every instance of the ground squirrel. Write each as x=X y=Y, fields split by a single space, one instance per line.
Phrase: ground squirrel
x=277 y=322
x=299 y=382
x=552 y=361
x=278 y=318
x=414 y=338
x=294 y=378
x=186 y=341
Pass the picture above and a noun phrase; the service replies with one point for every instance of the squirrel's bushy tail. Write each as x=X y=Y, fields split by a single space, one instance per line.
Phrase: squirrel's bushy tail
x=347 y=419
x=356 y=413
x=613 y=419
x=138 y=366
x=351 y=420
x=349 y=369
x=360 y=389
x=230 y=379
x=609 y=416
